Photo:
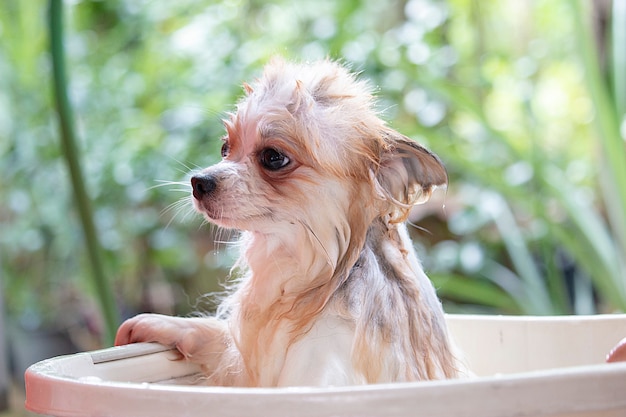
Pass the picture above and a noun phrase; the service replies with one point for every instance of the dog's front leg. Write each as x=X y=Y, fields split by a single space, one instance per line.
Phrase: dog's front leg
x=201 y=340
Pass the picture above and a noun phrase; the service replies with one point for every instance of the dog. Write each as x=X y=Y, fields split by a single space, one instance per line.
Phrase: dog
x=330 y=291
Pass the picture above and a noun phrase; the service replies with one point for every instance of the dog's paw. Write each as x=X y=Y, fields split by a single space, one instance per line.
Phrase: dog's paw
x=200 y=340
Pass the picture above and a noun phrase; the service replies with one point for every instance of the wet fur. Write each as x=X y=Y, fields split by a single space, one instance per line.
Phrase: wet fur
x=331 y=291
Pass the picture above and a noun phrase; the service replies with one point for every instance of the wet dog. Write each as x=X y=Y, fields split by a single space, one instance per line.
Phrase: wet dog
x=332 y=292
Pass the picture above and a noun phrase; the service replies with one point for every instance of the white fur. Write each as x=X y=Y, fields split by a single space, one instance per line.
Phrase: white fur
x=319 y=358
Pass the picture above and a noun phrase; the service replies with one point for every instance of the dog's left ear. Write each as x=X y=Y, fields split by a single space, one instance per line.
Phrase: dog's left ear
x=407 y=175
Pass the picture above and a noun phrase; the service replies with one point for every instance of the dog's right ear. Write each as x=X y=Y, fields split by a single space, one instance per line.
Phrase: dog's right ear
x=407 y=175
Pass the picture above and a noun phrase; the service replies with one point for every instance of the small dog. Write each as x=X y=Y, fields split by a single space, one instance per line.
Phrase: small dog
x=332 y=292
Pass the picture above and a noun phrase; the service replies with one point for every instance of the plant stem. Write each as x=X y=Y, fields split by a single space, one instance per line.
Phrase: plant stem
x=71 y=155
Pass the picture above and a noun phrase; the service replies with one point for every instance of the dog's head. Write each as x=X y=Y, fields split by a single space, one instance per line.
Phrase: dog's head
x=305 y=151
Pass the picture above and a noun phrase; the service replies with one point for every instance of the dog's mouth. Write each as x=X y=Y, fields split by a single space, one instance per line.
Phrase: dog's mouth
x=228 y=217
x=218 y=219
x=211 y=213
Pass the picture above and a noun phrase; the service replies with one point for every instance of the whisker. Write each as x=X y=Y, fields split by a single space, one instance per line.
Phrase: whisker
x=181 y=206
x=317 y=239
x=166 y=183
x=180 y=203
x=420 y=228
x=224 y=238
x=203 y=224
x=188 y=167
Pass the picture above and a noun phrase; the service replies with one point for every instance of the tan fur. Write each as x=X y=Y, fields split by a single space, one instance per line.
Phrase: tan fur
x=324 y=240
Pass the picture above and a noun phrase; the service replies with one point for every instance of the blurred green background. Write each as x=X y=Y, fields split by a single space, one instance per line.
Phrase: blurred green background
x=524 y=101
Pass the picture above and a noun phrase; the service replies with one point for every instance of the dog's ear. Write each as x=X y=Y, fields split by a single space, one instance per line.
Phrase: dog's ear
x=407 y=175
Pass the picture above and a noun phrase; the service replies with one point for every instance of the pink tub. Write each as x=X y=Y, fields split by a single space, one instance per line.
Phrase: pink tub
x=525 y=366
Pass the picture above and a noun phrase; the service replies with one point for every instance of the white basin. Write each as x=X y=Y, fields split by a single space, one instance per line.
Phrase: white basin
x=524 y=366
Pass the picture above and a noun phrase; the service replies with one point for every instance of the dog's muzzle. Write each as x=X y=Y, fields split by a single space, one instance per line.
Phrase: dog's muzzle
x=203 y=185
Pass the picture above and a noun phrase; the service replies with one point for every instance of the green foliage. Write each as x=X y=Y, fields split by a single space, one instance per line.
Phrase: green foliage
x=532 y=143
x=508 y=93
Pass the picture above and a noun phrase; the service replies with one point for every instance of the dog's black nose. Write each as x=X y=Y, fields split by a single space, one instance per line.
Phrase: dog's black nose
x=202 y=185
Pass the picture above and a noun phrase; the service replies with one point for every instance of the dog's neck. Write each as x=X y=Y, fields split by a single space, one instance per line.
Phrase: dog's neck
x=281 y=266
x=289 y=284
x=290 y=280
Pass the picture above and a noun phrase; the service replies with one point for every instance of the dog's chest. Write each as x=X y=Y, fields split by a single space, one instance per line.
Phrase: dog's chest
x=321 y=357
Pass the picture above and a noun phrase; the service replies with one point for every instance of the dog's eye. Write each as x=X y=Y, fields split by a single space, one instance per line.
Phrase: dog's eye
x=225 y=149
x=272 y=159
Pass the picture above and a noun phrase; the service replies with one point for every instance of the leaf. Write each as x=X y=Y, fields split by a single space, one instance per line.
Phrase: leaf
x=613 y=164
x=473 y=291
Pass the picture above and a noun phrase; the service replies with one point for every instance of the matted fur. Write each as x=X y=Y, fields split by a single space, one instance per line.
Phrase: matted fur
x=331 y=290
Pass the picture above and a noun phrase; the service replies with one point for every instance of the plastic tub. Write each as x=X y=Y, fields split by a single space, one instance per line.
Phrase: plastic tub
x=525 y=366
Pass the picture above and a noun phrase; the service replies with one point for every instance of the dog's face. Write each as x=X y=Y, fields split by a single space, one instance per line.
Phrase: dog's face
x=305 y=150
